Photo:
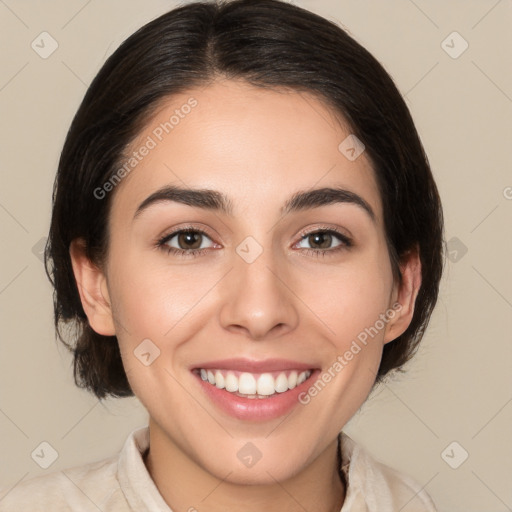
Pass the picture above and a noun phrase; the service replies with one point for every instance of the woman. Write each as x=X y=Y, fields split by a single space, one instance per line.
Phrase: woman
x=247 y=236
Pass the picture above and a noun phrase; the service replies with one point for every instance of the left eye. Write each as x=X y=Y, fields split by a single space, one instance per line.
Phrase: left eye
x=322 y=239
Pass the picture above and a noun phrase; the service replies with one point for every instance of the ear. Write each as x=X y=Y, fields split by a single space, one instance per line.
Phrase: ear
x=92 y=287
x=404 y=296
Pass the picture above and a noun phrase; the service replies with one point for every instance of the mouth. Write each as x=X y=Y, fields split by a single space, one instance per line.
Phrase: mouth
x=254 y=390
x=253 y=385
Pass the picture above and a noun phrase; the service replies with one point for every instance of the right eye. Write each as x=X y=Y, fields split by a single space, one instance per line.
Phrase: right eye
x=184 y=242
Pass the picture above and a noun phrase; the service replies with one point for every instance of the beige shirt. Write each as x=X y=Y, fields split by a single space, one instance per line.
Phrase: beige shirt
x=122 y=483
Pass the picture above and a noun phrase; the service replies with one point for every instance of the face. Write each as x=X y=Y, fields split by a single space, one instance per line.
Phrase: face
x=257 y=286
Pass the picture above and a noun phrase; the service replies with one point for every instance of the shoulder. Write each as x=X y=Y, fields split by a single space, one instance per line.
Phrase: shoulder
x=91 y=486
x=380 y=487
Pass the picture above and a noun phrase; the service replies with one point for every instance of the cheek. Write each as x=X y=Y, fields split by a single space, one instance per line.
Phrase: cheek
x=152 y=306
x=348 y=299
x=350 y=304
x=151 y=299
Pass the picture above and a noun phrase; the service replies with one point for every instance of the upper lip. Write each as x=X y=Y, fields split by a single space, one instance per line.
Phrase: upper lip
x=252 y=366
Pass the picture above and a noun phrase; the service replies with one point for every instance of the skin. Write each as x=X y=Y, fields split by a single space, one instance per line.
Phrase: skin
x=258 y=147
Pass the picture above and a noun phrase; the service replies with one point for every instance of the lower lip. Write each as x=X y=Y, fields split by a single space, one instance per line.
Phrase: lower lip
x=256 y=409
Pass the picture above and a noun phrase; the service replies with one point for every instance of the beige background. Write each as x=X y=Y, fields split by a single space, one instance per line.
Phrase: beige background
x=459 y=388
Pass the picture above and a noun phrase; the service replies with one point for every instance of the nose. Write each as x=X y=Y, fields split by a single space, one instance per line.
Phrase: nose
x=258 y=300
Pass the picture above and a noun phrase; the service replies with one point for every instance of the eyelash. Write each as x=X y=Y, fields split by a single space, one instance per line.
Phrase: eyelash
x=162 y=242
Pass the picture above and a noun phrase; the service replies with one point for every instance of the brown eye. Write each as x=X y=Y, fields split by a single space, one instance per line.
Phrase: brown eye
x=186 y=241
x=189 y=240
x=320 y=240
x=323 y=240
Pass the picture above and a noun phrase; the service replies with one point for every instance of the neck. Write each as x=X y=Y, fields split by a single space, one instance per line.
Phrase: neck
x=184 y=485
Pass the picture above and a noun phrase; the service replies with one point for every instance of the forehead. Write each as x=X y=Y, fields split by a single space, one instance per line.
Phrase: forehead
x=251 y=143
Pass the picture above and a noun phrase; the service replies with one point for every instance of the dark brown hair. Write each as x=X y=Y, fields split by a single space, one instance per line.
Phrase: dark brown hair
x=267 y=43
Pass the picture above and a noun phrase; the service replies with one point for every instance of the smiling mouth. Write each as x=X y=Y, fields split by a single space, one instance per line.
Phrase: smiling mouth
x=254 y=385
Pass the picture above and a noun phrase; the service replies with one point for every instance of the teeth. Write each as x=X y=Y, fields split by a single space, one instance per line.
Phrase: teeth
x=292 y=380
x=266 y=385
x=281 y=383
x=219 y=380
x=247 y=384
x=231 y=383
x=254 y=386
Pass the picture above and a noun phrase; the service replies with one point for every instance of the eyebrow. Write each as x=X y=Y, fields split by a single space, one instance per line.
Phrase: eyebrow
x=214 y=200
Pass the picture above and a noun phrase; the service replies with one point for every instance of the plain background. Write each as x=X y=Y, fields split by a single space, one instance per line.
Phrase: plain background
x=458 y=388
